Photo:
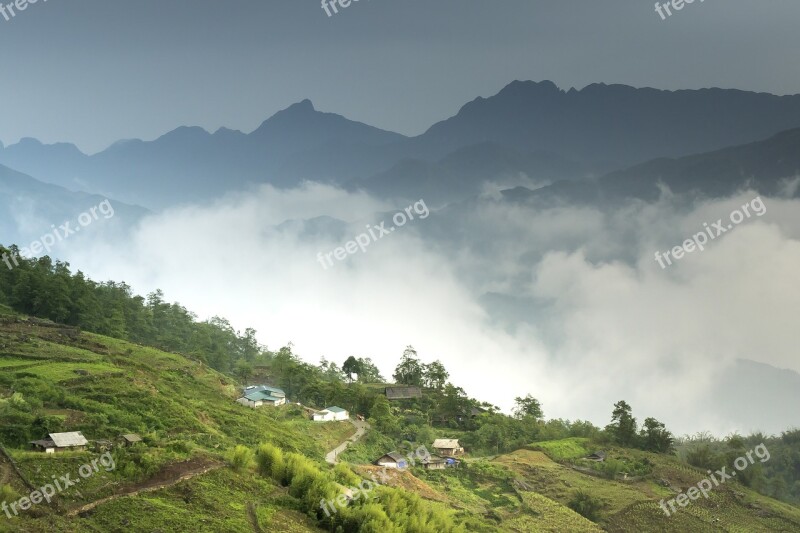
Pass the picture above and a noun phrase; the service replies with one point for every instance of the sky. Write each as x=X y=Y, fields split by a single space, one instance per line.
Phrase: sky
x=92 y=72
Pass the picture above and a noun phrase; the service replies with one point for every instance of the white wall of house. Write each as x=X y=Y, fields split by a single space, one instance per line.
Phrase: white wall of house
x=329 y=416
x=344 y=415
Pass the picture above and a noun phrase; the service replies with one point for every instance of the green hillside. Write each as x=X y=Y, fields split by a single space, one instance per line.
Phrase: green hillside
x=54 y=378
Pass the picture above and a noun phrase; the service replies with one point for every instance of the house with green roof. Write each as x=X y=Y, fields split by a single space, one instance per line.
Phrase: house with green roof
x=256 y=396
x=330 y=414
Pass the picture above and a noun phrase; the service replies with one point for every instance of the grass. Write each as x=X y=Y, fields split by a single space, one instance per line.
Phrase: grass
x=565 y=449
x=186 y=411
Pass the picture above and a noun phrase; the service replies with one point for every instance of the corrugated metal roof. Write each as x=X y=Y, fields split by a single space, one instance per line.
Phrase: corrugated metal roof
x=396 y=457
x=262 y=396
x=446 y=443
x=261 y=388
x=335 y=409
x=65 y=440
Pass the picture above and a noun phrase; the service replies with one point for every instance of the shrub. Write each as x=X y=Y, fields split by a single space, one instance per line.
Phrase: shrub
x=8 y=494
x=270 y=462
x=585 y=505
x=241 y=458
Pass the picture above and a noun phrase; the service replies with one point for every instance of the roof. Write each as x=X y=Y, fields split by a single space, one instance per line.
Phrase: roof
x=395 y=456
x=335 y=409
x=402 y=393
x=599 y=454
x=44 y=443
x=132 y=437
x=446 y=444
x=262 y=396
x=264 y=388
x=65 y=440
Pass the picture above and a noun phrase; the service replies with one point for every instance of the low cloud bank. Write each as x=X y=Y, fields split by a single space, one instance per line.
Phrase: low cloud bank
x=581 y=314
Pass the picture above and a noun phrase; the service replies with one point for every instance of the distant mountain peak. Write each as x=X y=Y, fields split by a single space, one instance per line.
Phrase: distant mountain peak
x=305 y=105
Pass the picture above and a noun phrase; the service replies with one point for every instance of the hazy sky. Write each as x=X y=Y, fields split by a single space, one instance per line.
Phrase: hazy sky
x=92 y=72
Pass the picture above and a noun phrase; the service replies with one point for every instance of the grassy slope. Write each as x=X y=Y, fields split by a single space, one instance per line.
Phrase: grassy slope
x=187 y=412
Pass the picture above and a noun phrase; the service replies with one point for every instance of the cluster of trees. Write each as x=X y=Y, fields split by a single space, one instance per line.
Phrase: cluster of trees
x=653 y=436
x=411 y=371
x=47 y=289
x=776 y=475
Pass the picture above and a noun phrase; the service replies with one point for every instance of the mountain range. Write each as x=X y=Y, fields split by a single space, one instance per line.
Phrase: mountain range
x=528 y=129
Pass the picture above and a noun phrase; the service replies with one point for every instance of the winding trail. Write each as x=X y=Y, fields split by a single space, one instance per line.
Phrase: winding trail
x=361 y=429
x=171 y=475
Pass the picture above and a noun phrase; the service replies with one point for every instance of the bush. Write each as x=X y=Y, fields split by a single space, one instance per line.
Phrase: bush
x=8 y=494
x=270 y=462
x=241 y=458
x=585 y=505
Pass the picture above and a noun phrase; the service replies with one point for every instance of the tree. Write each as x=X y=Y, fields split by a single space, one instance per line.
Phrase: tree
x=330 y=370
x=623 y=425
x=381 y=413
x=243 y=369
x=655 y=437
x=409 y=371
x=369 y=372
x=528 y=407
x=435 y=375
x=351 y=366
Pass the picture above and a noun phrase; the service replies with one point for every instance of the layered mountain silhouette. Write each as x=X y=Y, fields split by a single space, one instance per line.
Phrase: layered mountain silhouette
x=30 y=209
x=771 y=167
x=529 y=128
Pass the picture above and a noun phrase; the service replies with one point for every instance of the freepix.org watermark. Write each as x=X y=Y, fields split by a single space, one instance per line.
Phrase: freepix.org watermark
x=362 y=241
x=10 y=10
x=60 y=483
x=61 y=233
x=330 y=6
x=366 y=486
x=699 y=240
x=704 y=486
x=668 y=7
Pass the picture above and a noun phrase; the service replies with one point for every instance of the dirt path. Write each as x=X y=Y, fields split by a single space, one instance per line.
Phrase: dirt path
x=361 y=429
x=168 y=476
x=253 y=517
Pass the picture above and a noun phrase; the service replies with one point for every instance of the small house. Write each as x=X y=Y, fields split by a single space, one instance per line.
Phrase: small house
x=103 y=445
x=447 y=447
x=434 y=462
x=392 y=460
x=597 y=456
x=62 y=442
x=330 y=414
x=130 y=439
x=256 y=396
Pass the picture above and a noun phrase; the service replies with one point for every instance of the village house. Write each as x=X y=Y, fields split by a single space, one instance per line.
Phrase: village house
x=330 y=414
x=597 y=456
x=130 y=439
x=392 y=460
x=103 y=445
x=62 y=442
x=447 y=447
x=256 y=396
x=434 y=462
